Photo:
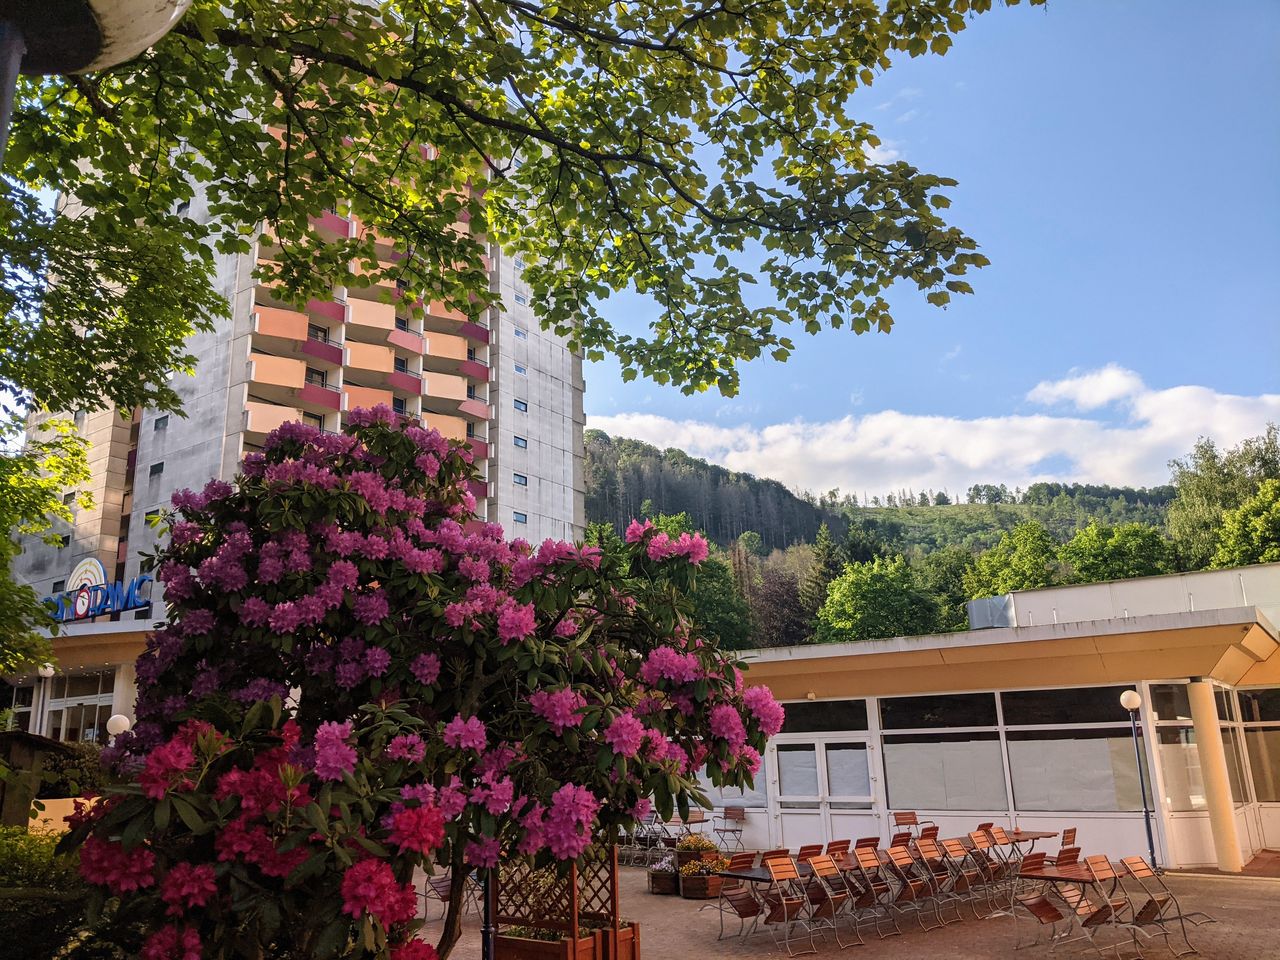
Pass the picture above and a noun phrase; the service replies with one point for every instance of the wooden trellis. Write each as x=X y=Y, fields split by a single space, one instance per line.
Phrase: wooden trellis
x=587 y=892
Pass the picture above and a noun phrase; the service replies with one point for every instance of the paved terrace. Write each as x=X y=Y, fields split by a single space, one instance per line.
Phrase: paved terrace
x=672 y=928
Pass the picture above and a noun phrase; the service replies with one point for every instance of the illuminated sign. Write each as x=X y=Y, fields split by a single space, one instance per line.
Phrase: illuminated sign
x=88 y=594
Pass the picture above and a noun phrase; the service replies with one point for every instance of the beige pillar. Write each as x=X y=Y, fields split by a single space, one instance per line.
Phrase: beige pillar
x=1213 y=772
x=125 y=692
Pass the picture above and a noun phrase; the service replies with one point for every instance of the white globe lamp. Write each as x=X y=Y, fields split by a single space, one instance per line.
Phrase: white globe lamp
x=117 y=724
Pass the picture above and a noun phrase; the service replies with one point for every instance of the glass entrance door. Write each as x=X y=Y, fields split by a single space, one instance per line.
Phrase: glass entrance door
x=821 y=789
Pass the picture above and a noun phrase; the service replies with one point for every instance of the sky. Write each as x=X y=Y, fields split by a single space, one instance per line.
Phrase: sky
x=1119 y=162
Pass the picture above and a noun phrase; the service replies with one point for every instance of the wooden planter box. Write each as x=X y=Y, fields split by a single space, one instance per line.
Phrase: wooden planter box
x=663 y=884
x=517 y=948
x=701 y=888
x=691 y=856
x=624 y=944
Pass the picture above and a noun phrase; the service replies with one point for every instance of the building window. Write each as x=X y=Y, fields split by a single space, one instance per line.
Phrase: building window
x=398 y=405
x=64 y=541
x=402 y=324
x=521 y=442
x=183 y=208
x=401 y=365
x=471 y=429
x=522 y=370
x=522 y=333
x=401 y=285
x=818 y=716
x=519 y=517
x=317 y=333
x=317 y=377
x=152 y=517
x=69 y=499
x=521 y=298
x=945 y=771
x=59 y=586
x=520 y=479
x=161 y=423
x=155 y=469
x=78 y=706
x=954 y=710
x=522 y=406
x=519 y=263
x=1064 y=707
x=471 y=392
x=313 y=420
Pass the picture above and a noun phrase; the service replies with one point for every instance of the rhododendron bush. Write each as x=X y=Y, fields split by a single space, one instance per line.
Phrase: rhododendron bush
x=357 y=678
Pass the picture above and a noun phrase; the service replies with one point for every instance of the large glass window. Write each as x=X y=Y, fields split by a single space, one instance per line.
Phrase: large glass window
x=848 y=774
x=1180 y=763
x=797 y=769
x=1258 y=705
x=1090 y=769
x=945 y=771
x=78 y=706
x=940 y=710
x=754 y=796
x=1263 y=744
x=1060 y=707
x=821 y=716
x=1169 y=700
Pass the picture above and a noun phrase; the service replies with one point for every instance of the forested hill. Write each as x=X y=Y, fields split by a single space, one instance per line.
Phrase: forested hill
x=627 y=478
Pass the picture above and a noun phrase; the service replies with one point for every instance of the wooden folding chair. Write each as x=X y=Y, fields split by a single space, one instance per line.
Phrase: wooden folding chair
x=996 y=878
x=808 y=851
x=440 y=889
x=901 y=838
x=1112 y=908
x=914 y=892
x=838 y=848
x=968 y=880
x=871 y=842
x=737 y=899
x=728 y=825
x=1042 y=913
x=931 y=863
x=829 y=900
x=909 y=821
x=1066 y=857
x=877 y=892
x=1068 y=841
x=1158 y=905
x=779 y=854
x=787 y=906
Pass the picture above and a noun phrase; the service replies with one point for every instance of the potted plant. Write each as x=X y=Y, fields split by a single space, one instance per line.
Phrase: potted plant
x=662 y=876
x=544 y=943
x=694 y=846
x=699 y=880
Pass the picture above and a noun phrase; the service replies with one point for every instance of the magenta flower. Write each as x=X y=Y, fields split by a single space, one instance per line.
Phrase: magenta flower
x=417 y=828
x=636 y=530
x=516 y=621
x=407 y=746
x=726 y=723
x=625 y=735
x=767 y=711
x=425 y=668
x=188 y=886
x=560 y=709
x=335 y=758
x=483 y=852
x=468 y=734
x=371 y=608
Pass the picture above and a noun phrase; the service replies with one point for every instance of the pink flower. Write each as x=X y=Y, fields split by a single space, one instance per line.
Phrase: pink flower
x=665 y=663
x=407 y=746
x=466 y=734
x=560 y=709
x=483 y=852
x=692 y=546
x=376 y=661
x=642 y=809
x=371 y=608
x=425 y=668
x=108 y=864
x=767 y=711
x=170 y=943
x=369 y=886
x=567 y=825
x=636 y=530
x=417 y=828
x=335 y=758
x=166 y=769
x=625 y=735
x=516 y=621
x=187 y=886
x=726 y=723
x=660 y=547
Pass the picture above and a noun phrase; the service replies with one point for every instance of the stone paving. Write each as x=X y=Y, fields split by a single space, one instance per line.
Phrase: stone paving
x=675 y=929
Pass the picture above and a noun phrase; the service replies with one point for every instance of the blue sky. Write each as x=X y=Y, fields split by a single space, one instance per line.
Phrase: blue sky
x=1118 y=162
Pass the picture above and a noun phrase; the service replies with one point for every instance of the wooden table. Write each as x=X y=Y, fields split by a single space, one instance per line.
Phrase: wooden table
x=1068 y=873
x=1030 y=836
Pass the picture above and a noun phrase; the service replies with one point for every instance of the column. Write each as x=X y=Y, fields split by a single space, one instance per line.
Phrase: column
x=1213 y=771
x=124 y=693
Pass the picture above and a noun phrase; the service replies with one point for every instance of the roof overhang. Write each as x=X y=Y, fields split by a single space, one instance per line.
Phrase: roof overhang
x=1236 y=645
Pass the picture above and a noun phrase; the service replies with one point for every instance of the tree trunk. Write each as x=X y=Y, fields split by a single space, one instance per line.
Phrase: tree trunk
x=458 y=880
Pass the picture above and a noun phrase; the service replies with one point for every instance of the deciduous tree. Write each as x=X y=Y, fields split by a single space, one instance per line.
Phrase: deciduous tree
x=1025 y=558
x=1099 y=552
x=869 y=601
x=1251 y=532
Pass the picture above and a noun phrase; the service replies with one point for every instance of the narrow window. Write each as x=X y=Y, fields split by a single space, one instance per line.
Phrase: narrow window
x=59 y=586
x=522 y=333
x=402 y=323
x=64 y=541
x=156 y=469
x=317 y=377
x=398 y=405
x=318 y=333
x=521 y=442
x=401 y=365
x=521 y=298
x=69 y=499
x=520 y=479
x=313 y=420
x=183 y=208
x=522 y=406
x=161 y=423
x=471 y=429
x=519 y=517
x=522 y=370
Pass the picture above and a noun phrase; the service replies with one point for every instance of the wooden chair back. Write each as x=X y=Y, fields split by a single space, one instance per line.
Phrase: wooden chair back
x=780 y=854
x=929 y=833
x=1067 y=856
x=741 y=861
x=984 y=827
x=928 y=848
x=955 y=849
x=823 y=866
x=905 y=818
x=736 y=814
x=838 y=847
x=1100 y=867
x=867 y=859
x=999 y=837
x=900 y=839
x=1139 y=868
x=782 y=870
x=743 y=902
x=809 y=851
x=1041 y=909
x=1033 y=861
x=980 y=839
x=1069 y=837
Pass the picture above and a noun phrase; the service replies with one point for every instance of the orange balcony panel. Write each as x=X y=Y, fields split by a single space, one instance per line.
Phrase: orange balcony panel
x=451 y=428
x=445 y=346
x=476 y=408
x=368 y=313
x=277 y=371
x=370 y=356
x=264 y=417
x=439 y=310
x=365 y=397
x=277 y=322
x=406 y=340
x=445 y=386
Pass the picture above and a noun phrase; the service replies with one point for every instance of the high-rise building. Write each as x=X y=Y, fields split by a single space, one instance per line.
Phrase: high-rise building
x=511 y=389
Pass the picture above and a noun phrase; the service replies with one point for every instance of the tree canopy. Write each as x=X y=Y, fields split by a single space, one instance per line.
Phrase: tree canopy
x=881 y=598
x=1100 y=552
x=1251 y=532
x=1025 y=558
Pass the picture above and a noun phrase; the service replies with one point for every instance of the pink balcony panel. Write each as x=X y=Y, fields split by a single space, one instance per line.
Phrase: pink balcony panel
x=333 y=223
x=479 y=449
x=328 y=352
x=474 y=369
x=474 y=331
x=475 y=408
x=405 y=340
x=337 y=312
x=321 y=396
x=479 y=489
x=408 y=382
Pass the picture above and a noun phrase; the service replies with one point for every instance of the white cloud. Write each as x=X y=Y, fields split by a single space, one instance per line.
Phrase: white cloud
x=908 y=116
x=887 y=152
x=889 y=449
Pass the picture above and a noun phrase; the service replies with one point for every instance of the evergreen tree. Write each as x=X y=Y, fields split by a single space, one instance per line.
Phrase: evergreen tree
x=826 y=567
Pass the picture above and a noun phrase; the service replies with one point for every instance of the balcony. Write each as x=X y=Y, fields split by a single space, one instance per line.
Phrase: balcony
x=278 y=379
x=473 y=331
x=286 y=332
x=479 y=448
x=475 y=408
x=475 y=370
x=452 y=428
x=370 y=321
x=444 y=352
x=405 y=382
x=329 y=310
x=326 y=398
x=331 y=225
x=479 y=489
x=443 y=393
x=407 y=340
x=355 y=398
x=370 y=357
x=279 y=323
x=261 y=418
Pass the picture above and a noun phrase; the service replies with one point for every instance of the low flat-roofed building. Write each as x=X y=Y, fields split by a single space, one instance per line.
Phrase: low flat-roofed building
x=1021 y=724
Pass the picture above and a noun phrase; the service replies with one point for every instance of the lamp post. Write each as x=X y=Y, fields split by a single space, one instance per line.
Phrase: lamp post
x=1131 y=700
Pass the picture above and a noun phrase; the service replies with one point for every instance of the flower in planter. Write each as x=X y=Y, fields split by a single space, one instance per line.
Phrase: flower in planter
x=695 y=841
x=704 y=868
x=666 y=865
